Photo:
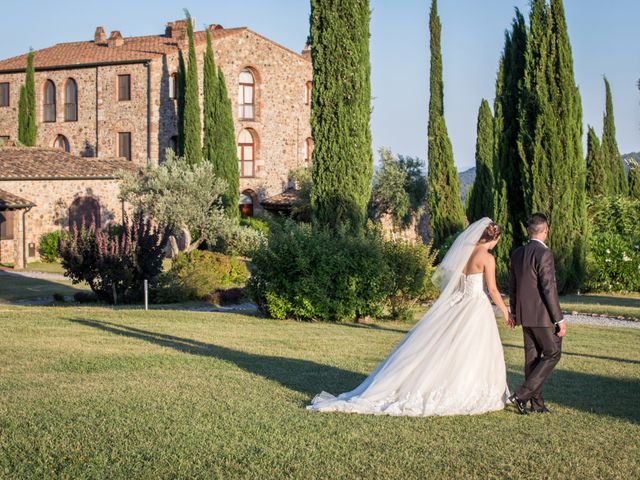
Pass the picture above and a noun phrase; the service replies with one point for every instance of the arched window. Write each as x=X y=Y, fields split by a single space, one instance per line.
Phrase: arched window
x=49 y=106
x=71 y=101
x=308 y=149
x=246 y=203
x=246 y=95
x=173 y=85
x=246 y=154
x=173 y=144
x=84 y=211
x=307 y=93
x=62 y=143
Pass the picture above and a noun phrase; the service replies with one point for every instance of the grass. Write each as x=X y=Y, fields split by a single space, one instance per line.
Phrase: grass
x=612 y=304
x=120 y=393
x=15 y=288
x=46 y=267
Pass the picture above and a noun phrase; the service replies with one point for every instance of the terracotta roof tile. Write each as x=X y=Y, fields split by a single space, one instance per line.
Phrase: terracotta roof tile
x=283 y=201
x=134 y=49
x=26 y=163
x=9 y=200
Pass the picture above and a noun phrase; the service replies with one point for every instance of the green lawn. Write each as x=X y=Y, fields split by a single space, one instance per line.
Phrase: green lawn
x=95 y=392
x=53 y=267
x=614 y=304
x=14 y=288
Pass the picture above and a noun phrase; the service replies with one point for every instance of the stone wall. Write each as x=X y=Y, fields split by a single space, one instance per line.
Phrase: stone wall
x=113 y=116
x=52 y=199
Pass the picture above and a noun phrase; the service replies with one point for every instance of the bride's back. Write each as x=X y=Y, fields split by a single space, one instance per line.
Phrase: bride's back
x=477 y=261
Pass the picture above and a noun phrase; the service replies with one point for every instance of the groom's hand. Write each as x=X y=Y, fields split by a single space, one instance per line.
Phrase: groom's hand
x=562 y=329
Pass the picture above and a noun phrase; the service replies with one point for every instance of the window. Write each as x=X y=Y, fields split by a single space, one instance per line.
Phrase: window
x=308 y=149
x=62 y=143
x=84 y=211
x=124 y=87
x=4 y=139
x=246 y=154
x=49 y=101
x=173 y=85
x=124 y=145
x=307 y=93
x=246 y=203
x=4 y=94
x=246 y=98
x=6 y=224
x=71 y=101
x=173 y=143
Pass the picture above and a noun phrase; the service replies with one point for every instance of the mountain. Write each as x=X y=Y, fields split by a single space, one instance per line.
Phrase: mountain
x=629 y=158
x=466 y=179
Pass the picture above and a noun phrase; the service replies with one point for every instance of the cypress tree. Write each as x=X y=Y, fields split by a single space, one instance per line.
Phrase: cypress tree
x=500 y=213
x=342 y=166
x=617 y=174
x=181 y=79
x=480 y=202
x=446 y=212
x=210 y=86
x=27 y=127
x=597 y=171
x=550 y=140
x=634 y=182
x=226 y=152
x=192 y=127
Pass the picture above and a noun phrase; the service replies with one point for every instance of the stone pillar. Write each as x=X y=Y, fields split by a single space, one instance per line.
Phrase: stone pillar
x=19 y=240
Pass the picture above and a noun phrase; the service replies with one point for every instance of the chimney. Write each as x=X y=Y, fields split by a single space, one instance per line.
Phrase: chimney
x=115 y=39
x=306 y=51
x=99 y=37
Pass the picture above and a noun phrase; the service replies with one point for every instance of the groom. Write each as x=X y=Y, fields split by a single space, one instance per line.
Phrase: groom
x=533 y=298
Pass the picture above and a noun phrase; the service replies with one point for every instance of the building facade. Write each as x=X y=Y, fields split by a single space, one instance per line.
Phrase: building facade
x=115 y=96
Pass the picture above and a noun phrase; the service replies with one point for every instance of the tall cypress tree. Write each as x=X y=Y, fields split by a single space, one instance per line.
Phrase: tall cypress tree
x=226 y=152
x=192 y=127
x=597 y=171
x=481 y=196
x=27 y=127
x=634 y=182
x=618 y=176
x=181 y=79
x=210 y=84
x=446 y=213
x=500 y=213
x=550 y=140
x=342 y=166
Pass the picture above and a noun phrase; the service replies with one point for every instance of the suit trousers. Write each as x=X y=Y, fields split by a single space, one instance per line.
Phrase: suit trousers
x=542 y=350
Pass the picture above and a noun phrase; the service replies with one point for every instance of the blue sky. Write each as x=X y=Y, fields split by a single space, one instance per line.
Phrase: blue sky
x=604 y=37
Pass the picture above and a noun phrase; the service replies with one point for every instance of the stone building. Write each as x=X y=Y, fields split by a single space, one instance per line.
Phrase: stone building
x=44 y=189
x=115 y=96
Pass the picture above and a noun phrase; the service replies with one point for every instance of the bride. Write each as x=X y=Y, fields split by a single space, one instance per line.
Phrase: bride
x=451 y=362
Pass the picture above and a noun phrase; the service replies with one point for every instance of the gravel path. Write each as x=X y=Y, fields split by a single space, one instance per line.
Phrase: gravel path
x=599 y=321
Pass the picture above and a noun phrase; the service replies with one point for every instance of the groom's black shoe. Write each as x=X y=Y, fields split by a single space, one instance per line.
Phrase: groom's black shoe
x=520 y=405
x=541 y=410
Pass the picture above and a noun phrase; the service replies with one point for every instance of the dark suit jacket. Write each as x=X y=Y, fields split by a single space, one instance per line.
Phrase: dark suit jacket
x=533 y=294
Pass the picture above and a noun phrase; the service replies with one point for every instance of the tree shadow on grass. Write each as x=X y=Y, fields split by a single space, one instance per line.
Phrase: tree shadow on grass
x=304 y=376
x=585 y=355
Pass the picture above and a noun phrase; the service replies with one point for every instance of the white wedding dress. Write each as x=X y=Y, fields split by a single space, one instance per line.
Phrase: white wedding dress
x=450 y=363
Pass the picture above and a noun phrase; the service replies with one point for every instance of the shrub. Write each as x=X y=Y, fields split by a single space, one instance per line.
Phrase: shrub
x=311 y=274
x=196 y=274
x=613 y=258
x=257 y=223
x=114 y=266
x=227 y=296
x=48 y=247
x=240 y=241
x=411 y=268
x=85 y=297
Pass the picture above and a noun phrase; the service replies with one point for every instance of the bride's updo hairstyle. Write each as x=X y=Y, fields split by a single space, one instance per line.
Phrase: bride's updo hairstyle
x=491 y=233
